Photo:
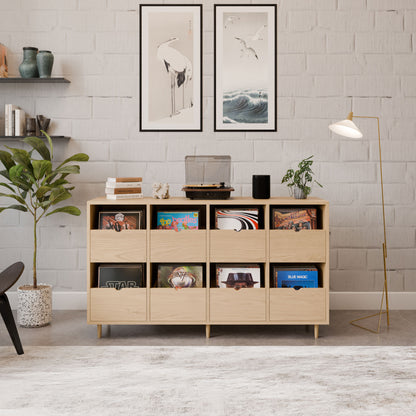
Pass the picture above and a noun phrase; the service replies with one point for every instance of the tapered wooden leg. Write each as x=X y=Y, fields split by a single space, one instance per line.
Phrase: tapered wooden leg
x=99 y=331
x=6 y=313
x=316 y=331
x=207 y=330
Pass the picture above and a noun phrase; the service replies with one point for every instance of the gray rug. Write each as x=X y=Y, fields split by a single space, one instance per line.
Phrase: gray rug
x=218 y=381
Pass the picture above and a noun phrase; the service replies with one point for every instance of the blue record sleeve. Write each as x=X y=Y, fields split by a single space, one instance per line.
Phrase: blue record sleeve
x=299 y=278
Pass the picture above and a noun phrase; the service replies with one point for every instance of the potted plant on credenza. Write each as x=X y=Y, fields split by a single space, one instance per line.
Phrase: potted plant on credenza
x=299 y=181
x=36 y=186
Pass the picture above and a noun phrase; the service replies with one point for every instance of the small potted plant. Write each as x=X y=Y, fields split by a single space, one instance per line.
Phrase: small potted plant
x=299 y=180
x=36 y=186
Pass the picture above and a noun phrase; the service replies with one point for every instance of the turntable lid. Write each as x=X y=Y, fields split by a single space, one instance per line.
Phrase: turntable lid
x=208 y=170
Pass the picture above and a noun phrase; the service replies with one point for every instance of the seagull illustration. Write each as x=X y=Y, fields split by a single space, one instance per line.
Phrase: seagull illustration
x=178 y=66
x=230 y=20
x=257 y=35
x=249 y=51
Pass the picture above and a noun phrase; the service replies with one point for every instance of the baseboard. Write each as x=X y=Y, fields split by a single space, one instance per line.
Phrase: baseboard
x=338 y=300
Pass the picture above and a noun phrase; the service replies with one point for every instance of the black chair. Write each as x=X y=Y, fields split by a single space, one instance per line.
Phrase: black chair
x=8 y=278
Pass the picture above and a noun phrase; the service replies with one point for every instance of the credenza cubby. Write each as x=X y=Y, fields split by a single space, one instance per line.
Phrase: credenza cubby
x=207 y=246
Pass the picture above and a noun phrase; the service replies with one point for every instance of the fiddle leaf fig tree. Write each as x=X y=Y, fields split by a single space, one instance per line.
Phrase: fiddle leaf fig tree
x=35 y=185
x=302 y=177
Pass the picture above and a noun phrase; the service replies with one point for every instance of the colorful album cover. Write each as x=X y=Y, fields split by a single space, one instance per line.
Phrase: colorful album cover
x=294 y=219
x=179 y=276
x=173 y=220
x=237 y=219
x=128 y=220
x=238 y=276
x=119 y=276
x=295 y=276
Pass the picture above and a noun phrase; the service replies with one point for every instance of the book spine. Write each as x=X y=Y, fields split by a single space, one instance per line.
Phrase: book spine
x=135 y=179
x=13 y=122
x=19 y=122
x=124 y=196
x=117 y=191
x=6 y=119
x=123 y=184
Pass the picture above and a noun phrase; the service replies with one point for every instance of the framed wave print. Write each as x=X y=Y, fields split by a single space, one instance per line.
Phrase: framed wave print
x=170 y=67
x=245 y=61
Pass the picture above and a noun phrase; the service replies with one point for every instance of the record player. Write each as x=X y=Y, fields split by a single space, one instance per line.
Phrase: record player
x=207 y=177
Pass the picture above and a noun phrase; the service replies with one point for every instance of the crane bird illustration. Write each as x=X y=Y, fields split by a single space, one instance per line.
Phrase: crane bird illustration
x=246 y=50
x=257 y=35
x=179 y=67
x=230 y=20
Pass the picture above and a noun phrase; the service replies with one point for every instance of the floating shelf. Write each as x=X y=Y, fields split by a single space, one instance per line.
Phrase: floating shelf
x=22 y=137
x=58 y=80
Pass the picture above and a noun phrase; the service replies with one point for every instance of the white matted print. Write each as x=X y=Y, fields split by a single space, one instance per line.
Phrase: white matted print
x=245 y=39
x=170 y=67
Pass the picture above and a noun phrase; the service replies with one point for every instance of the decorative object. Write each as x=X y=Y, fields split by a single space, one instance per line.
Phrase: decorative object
x=36 y=186
x=298 y=180
x=170 y=67
x=347 y=128
x=34 y=305
x=30 y=126
x=42 y=123
x=261 y=187
x=160 y=190
x=3 y=62
x=44 y=61
x=245 y=67
x=29 y=67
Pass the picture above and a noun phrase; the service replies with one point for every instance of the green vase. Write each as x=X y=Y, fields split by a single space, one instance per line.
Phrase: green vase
x=29 y=68
x=45 y=63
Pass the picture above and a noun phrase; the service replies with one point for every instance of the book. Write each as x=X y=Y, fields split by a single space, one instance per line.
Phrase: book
x=124 y=196
x=9 y=110
x=119 y=191
x=123 y=184
x=237 y=219
x=20 y=122
x=177 y=220
x=294 y=219
x=133 y=179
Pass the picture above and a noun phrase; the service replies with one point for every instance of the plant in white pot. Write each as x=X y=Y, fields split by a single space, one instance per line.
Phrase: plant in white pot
x=36 y=186
x=299 y=180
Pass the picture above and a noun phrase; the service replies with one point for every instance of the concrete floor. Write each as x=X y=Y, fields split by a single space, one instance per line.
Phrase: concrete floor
x=70 y=328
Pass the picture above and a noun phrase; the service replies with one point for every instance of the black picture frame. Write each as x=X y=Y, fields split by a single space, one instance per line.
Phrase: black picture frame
x=255 y=106
x=192 y=102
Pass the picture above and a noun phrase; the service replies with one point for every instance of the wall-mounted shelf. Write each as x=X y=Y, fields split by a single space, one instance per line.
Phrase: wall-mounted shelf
x=57 y=80
x=22 y=137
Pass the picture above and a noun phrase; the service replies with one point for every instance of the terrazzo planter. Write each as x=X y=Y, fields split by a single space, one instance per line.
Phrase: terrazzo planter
x=34 y=306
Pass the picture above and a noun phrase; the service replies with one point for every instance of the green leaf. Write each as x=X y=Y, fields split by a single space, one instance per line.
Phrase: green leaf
x=41 y=168
x=39 y=146
x=59 y=194
x=18 y=198
x=6 y=159
x=17 y=178
x=40 y=193
x=22 y=157
x=18 y=207
x=78 y=157
x=7 y=186
x=5 y=173
x=68 y=210
x=68 y=169
x=49 y=141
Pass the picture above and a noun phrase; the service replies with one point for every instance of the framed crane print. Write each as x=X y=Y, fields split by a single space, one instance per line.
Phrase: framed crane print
x=170 y=67
x=245 y=62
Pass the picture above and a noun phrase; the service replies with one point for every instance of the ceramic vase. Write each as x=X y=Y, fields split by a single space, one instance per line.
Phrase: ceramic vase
x=34 y=306
x=29 y=67
x=298 y=193
x=45 y=62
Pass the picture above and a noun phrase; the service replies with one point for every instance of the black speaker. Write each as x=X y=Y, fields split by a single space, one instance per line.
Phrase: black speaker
x=261 y=186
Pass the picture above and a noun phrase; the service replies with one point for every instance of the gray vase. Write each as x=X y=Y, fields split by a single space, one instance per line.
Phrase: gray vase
x=29 y=67
x=298 y=193
x=45 y=62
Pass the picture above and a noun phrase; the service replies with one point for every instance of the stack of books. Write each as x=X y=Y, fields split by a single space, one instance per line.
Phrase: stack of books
x=14 y=120
x=123 y=188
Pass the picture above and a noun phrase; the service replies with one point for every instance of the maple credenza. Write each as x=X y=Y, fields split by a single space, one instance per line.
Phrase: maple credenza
x=208 y=246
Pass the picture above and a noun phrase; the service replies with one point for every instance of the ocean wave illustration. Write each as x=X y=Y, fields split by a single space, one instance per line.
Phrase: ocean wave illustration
x=248 y=106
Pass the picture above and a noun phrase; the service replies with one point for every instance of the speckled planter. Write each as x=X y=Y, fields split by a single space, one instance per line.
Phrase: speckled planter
x=34 y=306
x=298 y=193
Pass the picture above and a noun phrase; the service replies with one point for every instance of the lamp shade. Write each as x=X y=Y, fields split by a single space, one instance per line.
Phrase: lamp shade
x=346 y=128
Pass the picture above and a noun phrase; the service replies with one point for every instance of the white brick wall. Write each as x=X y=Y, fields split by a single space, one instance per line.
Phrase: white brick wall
x=334 y=56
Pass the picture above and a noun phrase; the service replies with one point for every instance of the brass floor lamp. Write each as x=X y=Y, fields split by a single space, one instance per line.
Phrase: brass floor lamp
x=347 y=128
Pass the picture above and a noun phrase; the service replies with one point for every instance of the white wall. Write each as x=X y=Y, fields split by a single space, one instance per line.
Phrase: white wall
x=334 y=56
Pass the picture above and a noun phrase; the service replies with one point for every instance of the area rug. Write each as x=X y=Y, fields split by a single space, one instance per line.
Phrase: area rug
x=220 y=381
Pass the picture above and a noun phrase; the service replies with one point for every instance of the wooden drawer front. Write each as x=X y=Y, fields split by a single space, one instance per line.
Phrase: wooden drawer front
x=111 y=305
x=301 y=246
x=184 y=305
x=230 y=305
x=303 y=305
x=244 y=245
x=174 y=246
x=124 y=246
